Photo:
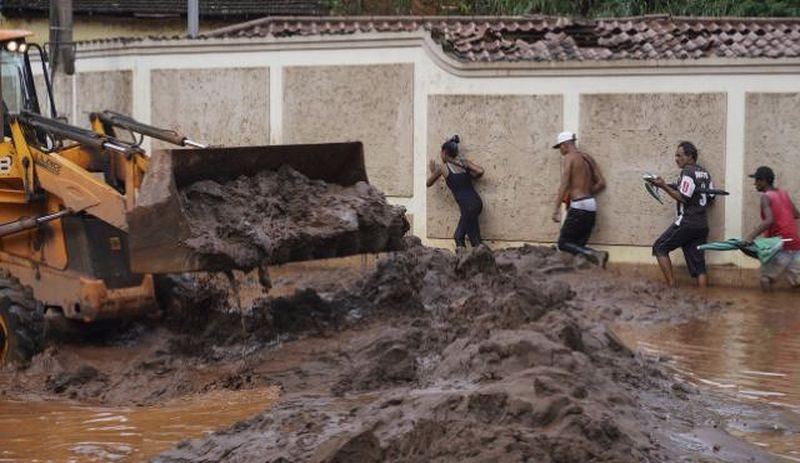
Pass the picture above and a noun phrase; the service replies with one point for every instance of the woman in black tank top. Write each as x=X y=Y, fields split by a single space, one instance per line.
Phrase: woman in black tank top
x=458 y=174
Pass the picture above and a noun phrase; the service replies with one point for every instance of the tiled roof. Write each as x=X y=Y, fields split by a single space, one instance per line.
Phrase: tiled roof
x=492 y=39
x=208 y=8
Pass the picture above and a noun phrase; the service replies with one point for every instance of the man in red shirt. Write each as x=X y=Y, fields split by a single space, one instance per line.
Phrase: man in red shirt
x=778 y=218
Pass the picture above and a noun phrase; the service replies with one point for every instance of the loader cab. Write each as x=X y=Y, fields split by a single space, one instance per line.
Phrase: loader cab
x=18 y=84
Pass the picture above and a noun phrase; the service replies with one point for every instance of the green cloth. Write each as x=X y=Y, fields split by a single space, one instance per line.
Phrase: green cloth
x=763 y=249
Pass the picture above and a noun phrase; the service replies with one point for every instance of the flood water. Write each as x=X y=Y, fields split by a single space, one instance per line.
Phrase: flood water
x=750 y=350
x=58 y=431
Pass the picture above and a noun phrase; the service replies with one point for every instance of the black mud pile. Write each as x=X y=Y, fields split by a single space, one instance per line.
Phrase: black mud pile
x=482 y=357
x=205 y=323
x=282 y=216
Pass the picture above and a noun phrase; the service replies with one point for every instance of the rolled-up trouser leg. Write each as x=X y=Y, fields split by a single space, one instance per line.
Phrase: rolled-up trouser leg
x=575 y=234
x=592 y=255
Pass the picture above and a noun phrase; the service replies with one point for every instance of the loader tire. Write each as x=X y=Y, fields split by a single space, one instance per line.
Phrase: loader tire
x=21 y=323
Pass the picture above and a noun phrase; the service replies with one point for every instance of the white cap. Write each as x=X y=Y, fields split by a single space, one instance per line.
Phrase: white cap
x=564 y=136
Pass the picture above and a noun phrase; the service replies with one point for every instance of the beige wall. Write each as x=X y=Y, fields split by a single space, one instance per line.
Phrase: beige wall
x=510 y=136
x=630 y=134
x=99 y=91
x=373 y=104
x=227 y=106
x=62 y=89
x=62 y=93
x=772 y=138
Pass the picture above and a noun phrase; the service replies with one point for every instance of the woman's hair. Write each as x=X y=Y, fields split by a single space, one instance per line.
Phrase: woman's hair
x=450 y=147
x=688 y=149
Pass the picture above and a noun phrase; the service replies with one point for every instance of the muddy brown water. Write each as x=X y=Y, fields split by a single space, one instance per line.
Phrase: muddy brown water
x=749 y=350
x=699 y=351
x=59 y=431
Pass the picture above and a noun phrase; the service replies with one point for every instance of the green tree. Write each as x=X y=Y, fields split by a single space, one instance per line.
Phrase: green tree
x=576 y=8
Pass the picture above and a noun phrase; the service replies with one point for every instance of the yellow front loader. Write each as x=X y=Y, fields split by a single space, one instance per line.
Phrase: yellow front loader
x=70 y=225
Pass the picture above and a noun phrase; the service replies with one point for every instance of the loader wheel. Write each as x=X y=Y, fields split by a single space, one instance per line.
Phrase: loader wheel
x=21 y=324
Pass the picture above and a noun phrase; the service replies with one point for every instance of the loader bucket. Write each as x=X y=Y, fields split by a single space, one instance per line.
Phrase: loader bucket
x=158 y=226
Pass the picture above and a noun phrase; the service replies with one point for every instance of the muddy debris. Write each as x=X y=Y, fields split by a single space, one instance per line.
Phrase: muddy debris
x=282 y=216
x=64 y=380
x=480 y=361
x=199 y=312
x=428 y=356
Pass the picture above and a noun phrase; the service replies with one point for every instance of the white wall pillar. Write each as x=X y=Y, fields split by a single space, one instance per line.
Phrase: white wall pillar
x=276 y=104
x=734 y=164
x=142 y=102
x=418 y=203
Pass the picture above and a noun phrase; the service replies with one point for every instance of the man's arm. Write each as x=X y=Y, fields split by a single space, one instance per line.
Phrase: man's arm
x=673 y=193
x=598 y=181
x=794 y=208
x=563 y=187
x=685 y=189
x=766 y=210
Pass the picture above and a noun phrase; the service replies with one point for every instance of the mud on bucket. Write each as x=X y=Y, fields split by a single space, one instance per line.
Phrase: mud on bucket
x=164 y=236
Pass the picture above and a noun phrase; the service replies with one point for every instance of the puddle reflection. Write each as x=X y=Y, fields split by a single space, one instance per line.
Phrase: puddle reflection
x=750 y=349
x=55 y=431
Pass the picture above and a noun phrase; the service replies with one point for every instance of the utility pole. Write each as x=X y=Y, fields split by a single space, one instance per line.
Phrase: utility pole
x=62 y=48
x=193 y=17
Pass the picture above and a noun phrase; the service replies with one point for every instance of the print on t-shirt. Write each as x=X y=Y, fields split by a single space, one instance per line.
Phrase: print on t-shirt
x=692 y=212
x=687 y=186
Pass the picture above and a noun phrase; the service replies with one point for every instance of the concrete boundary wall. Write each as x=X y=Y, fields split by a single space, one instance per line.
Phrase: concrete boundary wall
x=229 y=104
x=522 y=107
x=372 y=103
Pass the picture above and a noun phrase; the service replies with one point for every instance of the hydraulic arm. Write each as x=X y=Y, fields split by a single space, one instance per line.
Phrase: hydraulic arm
x=111 y=119
x=83 y=136
x=30 y=223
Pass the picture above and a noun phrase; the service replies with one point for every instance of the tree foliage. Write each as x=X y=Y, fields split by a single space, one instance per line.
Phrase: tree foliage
x=576 y=8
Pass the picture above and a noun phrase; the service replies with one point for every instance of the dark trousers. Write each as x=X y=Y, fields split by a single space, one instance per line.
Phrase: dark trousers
x=576 y=229
x=688 y=239
x=469 y=225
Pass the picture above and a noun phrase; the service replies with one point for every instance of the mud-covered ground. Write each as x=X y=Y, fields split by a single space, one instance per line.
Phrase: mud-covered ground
x=427 y=356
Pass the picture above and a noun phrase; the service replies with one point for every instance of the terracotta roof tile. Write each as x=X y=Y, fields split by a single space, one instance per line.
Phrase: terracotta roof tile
x=542 y=38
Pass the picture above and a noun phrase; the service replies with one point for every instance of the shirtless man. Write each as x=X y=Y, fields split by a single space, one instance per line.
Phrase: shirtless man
x=581 y=179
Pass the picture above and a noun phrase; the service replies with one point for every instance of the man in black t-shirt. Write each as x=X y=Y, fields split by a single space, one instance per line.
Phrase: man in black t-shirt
x=690 y=228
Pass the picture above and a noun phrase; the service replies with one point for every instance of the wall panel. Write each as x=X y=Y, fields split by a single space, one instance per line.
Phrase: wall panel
x=510 y=136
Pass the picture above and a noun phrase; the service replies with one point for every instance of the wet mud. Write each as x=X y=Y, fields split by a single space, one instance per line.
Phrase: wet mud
x=423 y=356
x=282 y=216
